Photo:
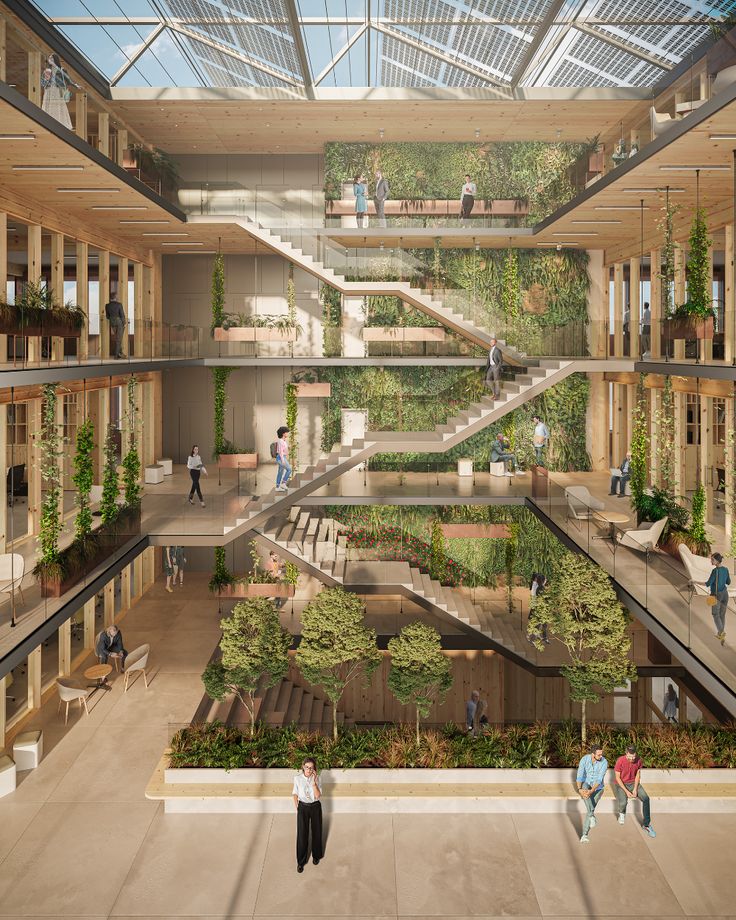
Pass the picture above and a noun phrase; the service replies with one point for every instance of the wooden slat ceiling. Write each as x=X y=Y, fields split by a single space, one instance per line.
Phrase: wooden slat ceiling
x=299 y=126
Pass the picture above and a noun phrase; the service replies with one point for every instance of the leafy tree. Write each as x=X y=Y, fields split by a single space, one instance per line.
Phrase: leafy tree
x=254 y=648
x=581 y=610
x=336 y=646
x=420 y=673
x=84 y=477
x=110 y=487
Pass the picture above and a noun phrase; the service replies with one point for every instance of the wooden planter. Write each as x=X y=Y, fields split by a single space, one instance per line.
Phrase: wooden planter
x=403 y=334
x=254 y=334
x=52 y=329
x=313 y=390
x=238 y=461
x=266 y=590
x=109 y=540
x=688 y=327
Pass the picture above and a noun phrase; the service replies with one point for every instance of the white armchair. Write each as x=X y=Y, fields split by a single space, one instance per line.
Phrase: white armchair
x=12 y=570
x=698 y=570
x=137 y=661
x=69 y=691
x=581 y=504
x=659 y=122
x=644 y=538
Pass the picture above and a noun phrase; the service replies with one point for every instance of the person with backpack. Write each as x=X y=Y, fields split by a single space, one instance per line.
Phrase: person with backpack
x=280 y=453
x=718 y=582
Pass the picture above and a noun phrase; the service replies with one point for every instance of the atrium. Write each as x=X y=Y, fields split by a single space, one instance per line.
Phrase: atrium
x=368 y=401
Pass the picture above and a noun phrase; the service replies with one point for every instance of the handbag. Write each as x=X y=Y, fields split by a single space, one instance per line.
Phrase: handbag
x=711 y=600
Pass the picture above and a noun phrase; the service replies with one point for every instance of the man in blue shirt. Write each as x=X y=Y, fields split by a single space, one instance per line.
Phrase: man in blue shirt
x=591 y=780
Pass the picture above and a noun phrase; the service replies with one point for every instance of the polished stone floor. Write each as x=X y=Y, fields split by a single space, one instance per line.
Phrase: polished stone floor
x=79 y=840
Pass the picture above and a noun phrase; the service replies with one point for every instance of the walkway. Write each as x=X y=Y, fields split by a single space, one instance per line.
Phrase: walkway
x=80 y=840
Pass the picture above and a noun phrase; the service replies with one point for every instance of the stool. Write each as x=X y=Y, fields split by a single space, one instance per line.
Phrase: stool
x=154 y=474
x=465 y=467
x=498 y=469
x=28 y=750
x=167 y=464
x=7 y=775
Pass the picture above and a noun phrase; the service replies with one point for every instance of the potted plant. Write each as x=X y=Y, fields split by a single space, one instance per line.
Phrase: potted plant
x=38 y=312
x=227 y=455
x=259 y=582
x=308 y=386
x=694 y=318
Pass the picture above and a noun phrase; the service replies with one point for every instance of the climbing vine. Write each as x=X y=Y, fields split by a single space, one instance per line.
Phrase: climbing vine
x=699 y=296
x=291 y=424
x=667 y=259
x=639 y=446
x=697 y=513
x=218 y=292
x=220 y=377
x=110 y=487
x=50 y=448
x=84 y=477
x=665 y=419
x=132 y=460
x=291 y=303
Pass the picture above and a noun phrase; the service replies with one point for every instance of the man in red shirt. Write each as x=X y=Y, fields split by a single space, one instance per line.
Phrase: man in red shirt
x=628 y=786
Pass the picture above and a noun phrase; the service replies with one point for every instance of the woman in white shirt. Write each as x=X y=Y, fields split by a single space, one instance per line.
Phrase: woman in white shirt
x=307 y=793
x=467 y=198
x=195 y=467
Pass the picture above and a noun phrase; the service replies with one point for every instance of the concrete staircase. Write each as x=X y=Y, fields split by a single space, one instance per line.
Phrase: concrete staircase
x=316 y=543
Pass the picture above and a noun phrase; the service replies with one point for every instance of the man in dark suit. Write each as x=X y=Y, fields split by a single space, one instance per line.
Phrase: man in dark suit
x=379 y=199
x=494 y=366
x=116 y=317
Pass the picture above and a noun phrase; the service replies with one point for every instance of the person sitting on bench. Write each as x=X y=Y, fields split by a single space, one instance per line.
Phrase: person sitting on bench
x=500 y=452
x=622 y=477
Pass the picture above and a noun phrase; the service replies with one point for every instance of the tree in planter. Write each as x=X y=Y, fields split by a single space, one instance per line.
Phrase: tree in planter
x=221 y=576
x=132 y=460
x=420 y=673
x=580 y=609
x=51 y=451
x=109 y=508
x=254 y=649
x=639 y=449
x=336 y=646
x=218 y=292
x=292 y=411
x=84 y=477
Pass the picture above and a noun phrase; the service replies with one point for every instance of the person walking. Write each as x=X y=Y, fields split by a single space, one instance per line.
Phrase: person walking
x=537 y=589
x=360 y=190
x=622 y=477
x=627 y=771
x=116 y=317
x=55 y=83
x=380 y=196
x=277 y=568
x=170 y=569
x=540 y=439
x=494 y=366
x=307 y=792
x=179 y=563
x=671 y=704
x=646 y=328
x=718 y=582
x=282 y=459
x=591 y=780
x=471 y=709
x=467 y=198
x=196 y=468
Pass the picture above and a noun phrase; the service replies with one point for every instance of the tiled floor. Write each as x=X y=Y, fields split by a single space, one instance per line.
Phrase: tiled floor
x=79 y=840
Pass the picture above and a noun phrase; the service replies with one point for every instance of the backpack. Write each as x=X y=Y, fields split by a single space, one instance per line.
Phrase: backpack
x=274 y=448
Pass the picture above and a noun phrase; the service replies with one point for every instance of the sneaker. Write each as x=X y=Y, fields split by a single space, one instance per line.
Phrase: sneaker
x=191 y=502
x=202 y=504
x=585 y=839
x=170 y=590
x=281 y=489
x=650 y=830
x=593 y=820
x=622 y=818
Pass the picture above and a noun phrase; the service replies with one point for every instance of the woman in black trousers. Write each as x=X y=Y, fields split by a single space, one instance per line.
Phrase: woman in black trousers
x=195 y=467
x=307 y=794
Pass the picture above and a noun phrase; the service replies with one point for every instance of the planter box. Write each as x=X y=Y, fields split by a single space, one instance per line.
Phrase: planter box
x=52 y=329
x=689 y=328
x=127 y=526
x=254 y=334
x=267 y=590
x=313 y=390
x=238 y=461
x=403 y=334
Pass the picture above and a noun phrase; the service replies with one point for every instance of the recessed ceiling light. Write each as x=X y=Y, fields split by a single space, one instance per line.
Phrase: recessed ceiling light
x=43 y=168
x=199 y=252
x=670 y=168
x=621 y=207
x=11 y=229
x=120 y=207
x=578 y=233
x=183 y=243
x=89 y=191
x=652 y=191
x=722 y=137
x=131 y=221
x=165 y=233
x=17 y=137
x=596 y=222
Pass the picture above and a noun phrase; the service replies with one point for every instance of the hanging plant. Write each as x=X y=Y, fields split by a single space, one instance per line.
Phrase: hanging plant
x=697 y=525
x=291 y=303
x=699 y=297
x=667 y=259
x=221 y=576
x=510 y=290
x=110 y=488
x=218 y=292
x=639 y=448
x=220 y=377
x=51 y=450
x=291 y=424
x=84 y=477
x=665 y=418
x=132 y=460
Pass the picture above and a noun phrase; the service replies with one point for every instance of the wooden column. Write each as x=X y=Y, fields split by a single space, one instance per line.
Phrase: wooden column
x=122 y=145
x=729 y=295
x=65 y=648
x=618 y=436
x=139 y=336
x=104 y=263
x=655 y=304
x=34 y=276
x=137 y=588
x=34 y=77
x=705 y=407
x=80 y=115
x=679 y=346
x=109 y=596
x=598 y=305
x=125 y=580
x=3 y=692
x=634 y=305
x=3 y=479
x=103 y=133
x=82 y=275
x=655 y=403
x=618 y=309
x=34 y=679
x=730 y=452
x=156 y=418
x=680 y=441
x=682 y=692
x=705 y=346
x=3 y=71
x=57 y=286
x=3 y=256
x=123 y=298
x=33 y=472
x=598 y=422
x=148 y=561
x=89 y=623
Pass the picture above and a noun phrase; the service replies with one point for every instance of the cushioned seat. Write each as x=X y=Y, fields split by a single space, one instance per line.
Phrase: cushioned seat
x=498 y=469
x=28 y=750
x=7 y=775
